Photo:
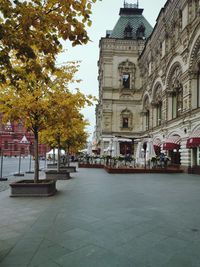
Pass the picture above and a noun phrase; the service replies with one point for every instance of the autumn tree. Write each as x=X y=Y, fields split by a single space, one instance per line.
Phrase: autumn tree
x=32 y=102
x=33 y=28
x=64 y=118
x=30 y=39
x=76 y=140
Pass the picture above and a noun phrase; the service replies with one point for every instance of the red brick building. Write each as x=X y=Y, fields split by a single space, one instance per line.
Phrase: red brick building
x=15 y=139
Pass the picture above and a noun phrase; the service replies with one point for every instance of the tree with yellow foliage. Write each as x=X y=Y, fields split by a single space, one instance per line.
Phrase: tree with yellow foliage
x=30 y=39
x=65 y=120
x=34 y=28
x=34 y=102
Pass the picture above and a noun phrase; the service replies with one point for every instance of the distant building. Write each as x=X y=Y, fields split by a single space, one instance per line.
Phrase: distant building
x=16 y=140
x=149 y=82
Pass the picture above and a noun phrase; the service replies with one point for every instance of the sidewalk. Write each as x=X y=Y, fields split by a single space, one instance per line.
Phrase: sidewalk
x=99 y=219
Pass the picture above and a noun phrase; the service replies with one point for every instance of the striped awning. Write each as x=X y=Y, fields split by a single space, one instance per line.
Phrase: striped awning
x=157 y=142
x=172 y=142
x=194 y=139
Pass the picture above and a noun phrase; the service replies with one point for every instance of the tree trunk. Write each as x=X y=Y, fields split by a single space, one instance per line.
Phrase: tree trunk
x=54 y=156
x=36 y=167
x=58 y=165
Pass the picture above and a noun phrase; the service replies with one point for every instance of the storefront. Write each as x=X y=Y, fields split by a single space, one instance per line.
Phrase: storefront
x=172 y=146
x=157 y=146
x=193 y=143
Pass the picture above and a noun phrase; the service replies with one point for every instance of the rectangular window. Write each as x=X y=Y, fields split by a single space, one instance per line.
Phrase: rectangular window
x=126 y=80
x=159 y=114
x=147 y=120
x=174 y=106
x=125 y=122
x=15 y=147
x=198 y=89
x=5 y=144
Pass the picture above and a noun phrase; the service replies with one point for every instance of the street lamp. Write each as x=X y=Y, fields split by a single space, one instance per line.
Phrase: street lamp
x=145 y=150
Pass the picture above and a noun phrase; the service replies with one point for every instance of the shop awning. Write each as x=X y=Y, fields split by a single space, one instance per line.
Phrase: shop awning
x=193 y=140
x=157 y=143
x=172 y=142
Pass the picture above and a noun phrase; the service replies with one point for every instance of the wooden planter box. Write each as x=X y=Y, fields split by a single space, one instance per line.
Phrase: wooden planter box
x=87 y=165
x=69 y=168
x=55 y=175
x=27 y=188
x=51 y=165
x=142 y=170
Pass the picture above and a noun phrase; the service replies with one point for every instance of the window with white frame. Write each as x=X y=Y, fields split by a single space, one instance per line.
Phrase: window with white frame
x=126 y=80
x=126 y=118
x=176 y=92
x=147 y=119
x=159 y=114
x=127 y=71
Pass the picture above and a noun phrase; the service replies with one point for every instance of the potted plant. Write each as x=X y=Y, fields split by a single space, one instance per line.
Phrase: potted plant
x=154 y=161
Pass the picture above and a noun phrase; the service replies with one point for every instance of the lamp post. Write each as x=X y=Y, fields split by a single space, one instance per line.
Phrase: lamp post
x=111 y=144
x=145 y=150
x=1 y=171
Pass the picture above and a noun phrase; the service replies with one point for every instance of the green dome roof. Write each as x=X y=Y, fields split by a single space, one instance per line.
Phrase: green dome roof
x=131 y=25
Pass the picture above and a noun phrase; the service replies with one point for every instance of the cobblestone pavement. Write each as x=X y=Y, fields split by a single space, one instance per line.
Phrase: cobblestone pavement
x=105 y=220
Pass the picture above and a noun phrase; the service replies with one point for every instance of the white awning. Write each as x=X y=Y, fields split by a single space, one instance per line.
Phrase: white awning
x=124 y=140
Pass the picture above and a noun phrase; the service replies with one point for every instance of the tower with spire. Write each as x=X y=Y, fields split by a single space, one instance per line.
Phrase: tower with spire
x=119 y=77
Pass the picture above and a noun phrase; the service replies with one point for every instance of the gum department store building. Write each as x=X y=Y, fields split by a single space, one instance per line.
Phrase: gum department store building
x=149 y=83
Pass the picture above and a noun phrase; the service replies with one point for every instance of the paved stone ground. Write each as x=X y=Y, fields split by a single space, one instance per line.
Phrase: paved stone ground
x=99 y=219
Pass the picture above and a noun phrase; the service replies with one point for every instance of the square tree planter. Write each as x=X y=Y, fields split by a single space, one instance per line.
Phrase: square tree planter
x=68 y=168
x=55 y=175
x=62 y=167
x=27 y=188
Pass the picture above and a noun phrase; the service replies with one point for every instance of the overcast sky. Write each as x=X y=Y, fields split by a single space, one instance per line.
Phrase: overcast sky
x=105 y=16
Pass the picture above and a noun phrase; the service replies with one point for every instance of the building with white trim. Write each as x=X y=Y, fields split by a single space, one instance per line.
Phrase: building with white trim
x=161 y=99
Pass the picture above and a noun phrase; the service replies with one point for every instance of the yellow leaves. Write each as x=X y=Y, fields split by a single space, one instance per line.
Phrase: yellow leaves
x=32 y=29
x=89 y=6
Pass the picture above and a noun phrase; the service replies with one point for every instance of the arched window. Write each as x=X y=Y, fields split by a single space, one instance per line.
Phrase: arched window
x=175 y=91
x=159 y=114
x=126 y=118
x=146 y=113
x=157 y=103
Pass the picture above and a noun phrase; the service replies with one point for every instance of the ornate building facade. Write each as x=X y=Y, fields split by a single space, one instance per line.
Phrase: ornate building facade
x=162 y=70
x=119 y=79
x=16 y=140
